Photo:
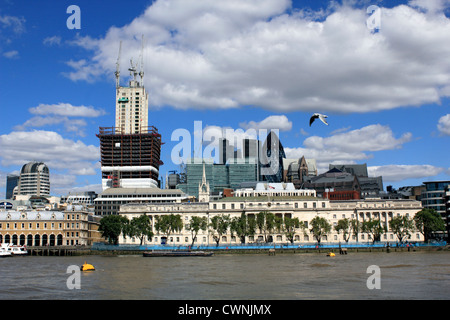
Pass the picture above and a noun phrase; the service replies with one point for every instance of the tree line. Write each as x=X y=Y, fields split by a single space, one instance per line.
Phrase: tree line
x=267 y=224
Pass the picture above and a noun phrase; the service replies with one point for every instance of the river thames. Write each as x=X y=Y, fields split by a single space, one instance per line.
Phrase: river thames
x=304 y=276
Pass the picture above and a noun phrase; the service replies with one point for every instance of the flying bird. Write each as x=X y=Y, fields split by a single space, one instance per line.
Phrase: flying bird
x=318 y=115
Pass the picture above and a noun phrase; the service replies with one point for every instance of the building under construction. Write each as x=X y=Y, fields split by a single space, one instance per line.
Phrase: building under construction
x=129 y=160
x=130 y=151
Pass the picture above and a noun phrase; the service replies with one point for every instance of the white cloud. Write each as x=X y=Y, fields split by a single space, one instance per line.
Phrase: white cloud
x=66 y=109
x=394 y=173
x=272 y=122
x=11 y=54
x=444 y=125
x=50 y=41
x=16 y=24
x=348 y=147
x=431 y=6
x=60 y=113
x=228 y=54
x=58 y=153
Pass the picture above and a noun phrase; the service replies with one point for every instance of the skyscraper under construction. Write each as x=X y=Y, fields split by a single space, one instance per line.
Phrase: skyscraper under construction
x=130 y=151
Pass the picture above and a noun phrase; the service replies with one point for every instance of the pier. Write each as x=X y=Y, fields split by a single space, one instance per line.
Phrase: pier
x=58 y=250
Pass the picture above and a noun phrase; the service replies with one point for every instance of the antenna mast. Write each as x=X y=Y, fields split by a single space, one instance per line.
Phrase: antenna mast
x=117 y=73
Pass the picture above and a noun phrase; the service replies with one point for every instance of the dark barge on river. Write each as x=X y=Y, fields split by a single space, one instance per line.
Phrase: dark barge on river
x=177 y=253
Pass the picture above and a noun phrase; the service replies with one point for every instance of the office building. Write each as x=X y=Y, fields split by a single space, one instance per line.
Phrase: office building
x=34 y=179
x=130 y=160
x=12 y=181
x=49 y=228
x=110 y=200
x=370 y=186
x=131 y=100
x=218 y=176
x=271 y=159
x=434 y=197
x=283 y=203
x=130 y=151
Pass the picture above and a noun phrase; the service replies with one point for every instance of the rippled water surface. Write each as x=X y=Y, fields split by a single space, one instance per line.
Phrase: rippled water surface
x=404 y=275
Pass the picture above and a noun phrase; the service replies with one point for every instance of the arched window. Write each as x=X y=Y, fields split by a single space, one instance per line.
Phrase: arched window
x=22 y=239
x=59 y=240
x=44 y=239
x=37 y=240
x=52 y=240
x=14 y=239
x=29 y=240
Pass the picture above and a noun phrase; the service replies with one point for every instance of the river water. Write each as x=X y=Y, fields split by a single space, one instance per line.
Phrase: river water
x=402 y=275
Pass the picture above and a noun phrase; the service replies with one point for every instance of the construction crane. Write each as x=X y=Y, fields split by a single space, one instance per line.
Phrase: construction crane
x=117 y=73
x=141 y=72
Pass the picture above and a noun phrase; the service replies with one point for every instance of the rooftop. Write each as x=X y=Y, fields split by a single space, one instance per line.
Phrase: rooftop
x=126 y=191
x=266 y=198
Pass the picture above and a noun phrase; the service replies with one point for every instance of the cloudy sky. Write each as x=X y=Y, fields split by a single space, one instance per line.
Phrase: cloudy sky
x=382 y=77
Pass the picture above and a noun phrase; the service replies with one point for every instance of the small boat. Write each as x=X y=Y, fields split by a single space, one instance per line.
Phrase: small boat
x=177 y=253
x=14 y=250
x=19 y=250
x=87 y=267
x=4 y=253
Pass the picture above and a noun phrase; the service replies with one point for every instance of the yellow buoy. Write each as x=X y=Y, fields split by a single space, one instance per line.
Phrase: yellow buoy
x=87 y=267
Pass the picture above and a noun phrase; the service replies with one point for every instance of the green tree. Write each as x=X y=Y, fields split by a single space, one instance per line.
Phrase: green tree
x=111 y=227
x=251 y=225
x=278 y=224
x=269 y=225
x=374 y=228
x=261 y=223
x=319 y=227
x=355 y=226
x=195 y=225
x=167 y=224
x=345 y=226
x=139 y=227
x=240 y=226
x=402 y=227
x=219 y=226
x=428 y=222
x=290 y=227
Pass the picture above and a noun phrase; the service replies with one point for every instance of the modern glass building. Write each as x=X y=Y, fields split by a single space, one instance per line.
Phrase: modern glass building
x=271 y=159
x=434 y=197
x=219 y=176
x=12 y=181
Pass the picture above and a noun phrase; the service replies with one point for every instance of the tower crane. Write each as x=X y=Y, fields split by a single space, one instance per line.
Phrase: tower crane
x=117 y=73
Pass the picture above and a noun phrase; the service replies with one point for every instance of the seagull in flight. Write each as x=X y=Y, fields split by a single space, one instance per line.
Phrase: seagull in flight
x=318 y=115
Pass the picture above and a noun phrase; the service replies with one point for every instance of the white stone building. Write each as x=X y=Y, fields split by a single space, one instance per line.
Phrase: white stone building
x=305 y=208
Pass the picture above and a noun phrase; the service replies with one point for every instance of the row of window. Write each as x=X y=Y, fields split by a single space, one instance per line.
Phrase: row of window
x=37 y=226
x=141 y=196
x=277 y=238
x=259 y=204
x=38 y=240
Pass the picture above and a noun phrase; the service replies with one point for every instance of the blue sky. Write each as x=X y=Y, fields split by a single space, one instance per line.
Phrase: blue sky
x=230 y=64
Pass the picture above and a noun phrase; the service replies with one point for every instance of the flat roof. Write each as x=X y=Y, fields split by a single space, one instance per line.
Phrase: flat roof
x=140 y=191
x=267 y=198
